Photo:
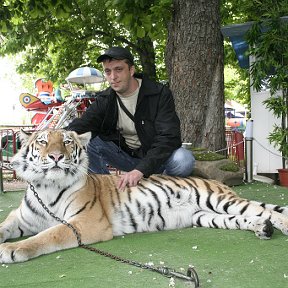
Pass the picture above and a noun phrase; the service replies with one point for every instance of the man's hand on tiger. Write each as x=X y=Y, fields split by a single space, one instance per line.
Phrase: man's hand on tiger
x=130 y=179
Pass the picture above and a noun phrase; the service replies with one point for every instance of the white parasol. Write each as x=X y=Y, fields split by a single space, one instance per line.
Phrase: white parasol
x=85 y=75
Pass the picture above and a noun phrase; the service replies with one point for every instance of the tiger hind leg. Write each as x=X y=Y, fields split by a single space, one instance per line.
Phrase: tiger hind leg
x=238 y=206
x=280 y=209
x=248 y=209
x=278 y=220
x=262 y=227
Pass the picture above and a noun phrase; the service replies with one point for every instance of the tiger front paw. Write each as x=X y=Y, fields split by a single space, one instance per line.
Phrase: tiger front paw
x=13 y=252
x=264 y=229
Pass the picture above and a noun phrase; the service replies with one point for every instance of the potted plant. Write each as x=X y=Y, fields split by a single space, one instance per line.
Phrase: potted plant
x=268 y=44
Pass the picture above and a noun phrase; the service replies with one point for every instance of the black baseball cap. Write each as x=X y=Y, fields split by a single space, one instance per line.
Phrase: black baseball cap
x=118 y=53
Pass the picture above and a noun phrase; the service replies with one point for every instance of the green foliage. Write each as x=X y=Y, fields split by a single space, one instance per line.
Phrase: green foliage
x=277 y=105
x=207 y=156
x=202 y=154
x=240 y=11
x=143 y=17
x=14 y=12
x=57 y=36
x=268 y=39
x=231 y=167
x=279 y=135
x=234 y=11
x=236 y=84
x=279 y=138
x=236 y=79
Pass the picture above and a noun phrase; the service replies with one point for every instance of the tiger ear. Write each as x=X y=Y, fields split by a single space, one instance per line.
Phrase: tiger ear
x=24 y=136
x=85 y=138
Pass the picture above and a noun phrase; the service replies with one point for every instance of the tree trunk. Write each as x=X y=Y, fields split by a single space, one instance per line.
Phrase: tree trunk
x=146 y=52
x=194 y=59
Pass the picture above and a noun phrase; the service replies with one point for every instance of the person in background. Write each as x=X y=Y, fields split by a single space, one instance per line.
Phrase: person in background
x=134 y=125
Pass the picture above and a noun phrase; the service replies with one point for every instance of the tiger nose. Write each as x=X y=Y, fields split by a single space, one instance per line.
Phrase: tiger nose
x=56 y=156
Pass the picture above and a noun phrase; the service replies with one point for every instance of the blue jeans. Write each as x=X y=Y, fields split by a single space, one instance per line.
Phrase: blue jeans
x=102 y=153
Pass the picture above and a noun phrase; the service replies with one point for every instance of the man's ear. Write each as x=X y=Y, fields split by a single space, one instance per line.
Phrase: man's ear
x=132 y=70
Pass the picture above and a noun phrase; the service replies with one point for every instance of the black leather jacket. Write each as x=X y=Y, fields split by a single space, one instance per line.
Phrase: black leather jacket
x=156 y=123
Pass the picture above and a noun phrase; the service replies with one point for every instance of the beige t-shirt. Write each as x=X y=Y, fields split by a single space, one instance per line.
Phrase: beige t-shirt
x=125 y=124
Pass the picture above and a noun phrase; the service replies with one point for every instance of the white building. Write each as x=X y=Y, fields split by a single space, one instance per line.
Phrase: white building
x=266 y=158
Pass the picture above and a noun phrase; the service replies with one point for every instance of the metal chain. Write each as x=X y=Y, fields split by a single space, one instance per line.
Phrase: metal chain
x=223 y=149
x=75 y=231
x=191 y=276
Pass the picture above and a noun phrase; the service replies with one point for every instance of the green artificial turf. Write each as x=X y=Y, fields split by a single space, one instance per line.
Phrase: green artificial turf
x=222 y=258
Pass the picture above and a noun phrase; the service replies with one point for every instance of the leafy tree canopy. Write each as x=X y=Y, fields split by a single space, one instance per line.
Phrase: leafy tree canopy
x=56 y=36
x=240 y=11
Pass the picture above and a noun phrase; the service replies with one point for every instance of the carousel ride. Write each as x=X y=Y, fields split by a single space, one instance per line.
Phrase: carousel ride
x=235 y=116
x=54 y=111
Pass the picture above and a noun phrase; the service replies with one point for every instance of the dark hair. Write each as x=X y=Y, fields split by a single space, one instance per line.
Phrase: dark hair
x=127 y=61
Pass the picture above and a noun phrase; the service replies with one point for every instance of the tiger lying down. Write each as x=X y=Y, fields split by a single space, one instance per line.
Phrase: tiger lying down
x=55 y=163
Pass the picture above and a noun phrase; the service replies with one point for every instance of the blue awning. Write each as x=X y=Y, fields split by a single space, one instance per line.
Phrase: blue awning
x=236 y=34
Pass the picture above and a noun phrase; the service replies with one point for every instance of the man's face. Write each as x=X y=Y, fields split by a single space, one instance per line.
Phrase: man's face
x=119 y=75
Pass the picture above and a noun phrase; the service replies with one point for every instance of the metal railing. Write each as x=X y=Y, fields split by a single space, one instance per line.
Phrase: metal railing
x=235 y=146
x=10 y=145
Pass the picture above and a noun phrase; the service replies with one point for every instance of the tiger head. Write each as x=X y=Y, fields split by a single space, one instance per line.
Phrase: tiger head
x=52 y=155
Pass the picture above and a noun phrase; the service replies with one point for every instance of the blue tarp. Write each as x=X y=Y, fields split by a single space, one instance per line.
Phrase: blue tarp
x=236 y=34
